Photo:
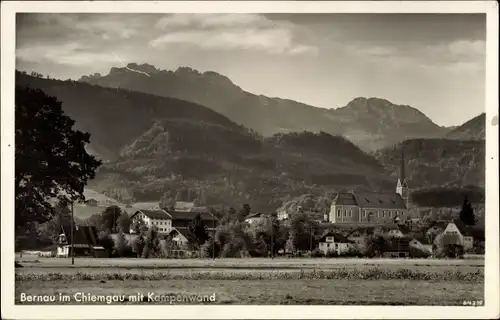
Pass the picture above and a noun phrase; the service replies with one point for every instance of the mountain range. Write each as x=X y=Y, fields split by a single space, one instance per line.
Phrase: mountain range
x=159 y=146
x=370 y=123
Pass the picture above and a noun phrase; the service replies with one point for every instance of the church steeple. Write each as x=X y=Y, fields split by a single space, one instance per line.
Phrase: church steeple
x=402 y=168
x=402 y=185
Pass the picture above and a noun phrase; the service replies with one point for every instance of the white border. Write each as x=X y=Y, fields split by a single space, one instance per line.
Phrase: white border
x=492 y=285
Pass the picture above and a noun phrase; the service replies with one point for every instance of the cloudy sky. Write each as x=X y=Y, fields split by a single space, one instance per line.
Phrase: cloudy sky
x=435 y=63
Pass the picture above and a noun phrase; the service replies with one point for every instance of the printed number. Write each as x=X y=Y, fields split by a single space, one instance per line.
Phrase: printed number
x=474 y=303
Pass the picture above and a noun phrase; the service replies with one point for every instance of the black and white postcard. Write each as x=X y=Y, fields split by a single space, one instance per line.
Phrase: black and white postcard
x=249 y=160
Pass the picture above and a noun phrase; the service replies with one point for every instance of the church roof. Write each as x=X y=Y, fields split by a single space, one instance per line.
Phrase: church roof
x=370 y=200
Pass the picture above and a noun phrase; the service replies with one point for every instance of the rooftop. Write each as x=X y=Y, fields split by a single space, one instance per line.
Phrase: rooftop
x=370 y=200
x=155 y=214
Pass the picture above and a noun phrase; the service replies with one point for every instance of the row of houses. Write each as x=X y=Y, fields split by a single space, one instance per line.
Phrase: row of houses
x=400 y=243
x=173 y=223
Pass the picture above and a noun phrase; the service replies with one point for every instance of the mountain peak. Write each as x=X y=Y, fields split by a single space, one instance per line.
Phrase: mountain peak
x=145 y=67
x=370 y=102
x=187 y=71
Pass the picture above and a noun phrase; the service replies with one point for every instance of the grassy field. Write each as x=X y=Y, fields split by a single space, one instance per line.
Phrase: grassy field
x=286 y=263
x=260 y=281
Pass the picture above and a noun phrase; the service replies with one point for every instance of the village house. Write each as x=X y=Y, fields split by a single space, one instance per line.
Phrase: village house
x=334 y=242
x=398 y=248
x=395 y=233
x=458 y=231
x=282 y=213
x=414 y=243
x=91 y=202
x=161 y=219
x=434 y=231
x=256 y=217
x=184 y=206
x=174 y=223
x=85 y=242
x=358 y=241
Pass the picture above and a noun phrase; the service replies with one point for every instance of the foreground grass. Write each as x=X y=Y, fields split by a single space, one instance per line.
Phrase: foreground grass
x=339 y=274
x=270 y=292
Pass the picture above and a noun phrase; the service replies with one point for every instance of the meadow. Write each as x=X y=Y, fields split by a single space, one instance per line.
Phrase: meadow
x=259 y=281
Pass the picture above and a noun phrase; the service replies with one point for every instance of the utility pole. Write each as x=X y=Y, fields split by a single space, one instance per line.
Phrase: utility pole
x=72 y=238
x=310 y=238
x=272 y=238
x=213 y=237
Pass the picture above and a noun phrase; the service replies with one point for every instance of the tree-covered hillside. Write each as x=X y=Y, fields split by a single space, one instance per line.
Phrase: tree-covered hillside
x=115 y=117
x=226 y=166
x=437 y=162
x=470 y=130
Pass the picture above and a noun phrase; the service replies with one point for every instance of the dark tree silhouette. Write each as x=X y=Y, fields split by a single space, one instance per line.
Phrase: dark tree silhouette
x=467 y=213
x=110 y=218
x=50 y=156
x=197 y=231
x=244 y=212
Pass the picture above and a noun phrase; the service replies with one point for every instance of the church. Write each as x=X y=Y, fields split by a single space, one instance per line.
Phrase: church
x=372 y=208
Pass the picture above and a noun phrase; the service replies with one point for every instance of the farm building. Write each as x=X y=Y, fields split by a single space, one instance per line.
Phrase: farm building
x=86 y=243
x=414 y=243
x=180 y=236
x=395 y=233
x=334 y=242
x=398 y=248
x=91 y=202
x=166 y=221
x=184 y=206
x=161 y=219
x=257 y=217
x=460 y=234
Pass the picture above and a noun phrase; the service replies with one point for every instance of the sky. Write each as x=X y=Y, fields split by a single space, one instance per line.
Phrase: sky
x=433 y=62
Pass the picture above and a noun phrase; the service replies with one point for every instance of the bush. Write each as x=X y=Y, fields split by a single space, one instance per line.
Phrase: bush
x=352 y=252
x=417 y=253
x=106 y=241
x=138 y=246
x=452 y=251
x=332 y=254
x=317 y=254
x=120 y=245
x=207 y=249
x=146 y=252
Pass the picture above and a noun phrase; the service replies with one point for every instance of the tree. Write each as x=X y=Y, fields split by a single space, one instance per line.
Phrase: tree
x=138 y=245
x=124 y=223
x=95 y=220
x=109 y=219
x=167 y=201
x=138 y=226
x=151 y=243
x=50 y=156
x=376 y=245
x=232 y=239
x=244 y=212
x=61 y=220
x=120 y=245
x=303 y=232
x=197 y=231
x=467 y=213
x=106 y=241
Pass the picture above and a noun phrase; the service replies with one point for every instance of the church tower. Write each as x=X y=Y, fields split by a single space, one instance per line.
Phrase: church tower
x=402 y=186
